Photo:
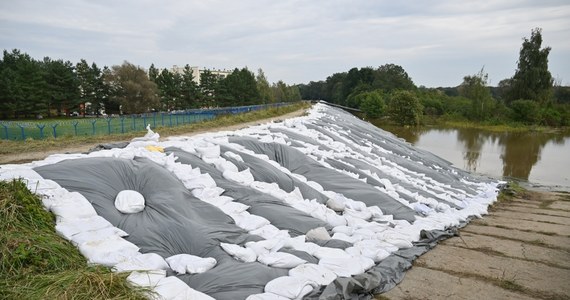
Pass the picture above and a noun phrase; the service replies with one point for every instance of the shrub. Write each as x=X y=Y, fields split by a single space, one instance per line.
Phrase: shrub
x=525 y=111
x=405 y=108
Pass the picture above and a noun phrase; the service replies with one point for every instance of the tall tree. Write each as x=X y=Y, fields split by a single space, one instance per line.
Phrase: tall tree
x=264 y=88
x=532 y=80
x=208 y=83
x=23 y=89
x=475 y=88
x=153 y=73
x=169 y=86
x=62 y=85
x=390 y=77
x=189 y=89
x=132 y=88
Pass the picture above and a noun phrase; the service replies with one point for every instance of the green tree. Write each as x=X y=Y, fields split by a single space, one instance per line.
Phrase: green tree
x=405 y=108
x=264 y=88
x=189 y=89
x=390 y=77
x=372 y=104
x=475 y=88
x=237 y=89
x=132 y=88
x=208 y=83
x=170 y=89
x=279 y=91
x=153 y=73
x=532 y=80
x=23 y=89
x=62 y=85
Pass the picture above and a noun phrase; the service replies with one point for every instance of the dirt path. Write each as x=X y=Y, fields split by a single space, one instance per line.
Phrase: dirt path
x=520 y=251
x=39 y=155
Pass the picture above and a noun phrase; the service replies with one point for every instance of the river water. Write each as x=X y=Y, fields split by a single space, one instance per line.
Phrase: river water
x=539 y=158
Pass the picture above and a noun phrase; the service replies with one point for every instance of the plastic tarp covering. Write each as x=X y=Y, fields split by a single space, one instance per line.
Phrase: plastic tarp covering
x=324 y=206
x=173 y=221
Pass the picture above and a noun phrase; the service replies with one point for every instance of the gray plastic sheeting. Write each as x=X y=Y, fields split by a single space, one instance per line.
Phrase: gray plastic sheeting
x=175 y=222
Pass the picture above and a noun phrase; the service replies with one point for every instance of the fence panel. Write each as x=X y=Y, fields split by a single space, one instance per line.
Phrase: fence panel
x=32 y=129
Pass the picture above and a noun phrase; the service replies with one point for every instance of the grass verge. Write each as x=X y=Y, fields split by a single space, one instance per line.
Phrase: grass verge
x=30 y=145
x=35 y=263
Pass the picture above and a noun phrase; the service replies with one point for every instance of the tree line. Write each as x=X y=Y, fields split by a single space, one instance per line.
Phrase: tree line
x=49 y=87
x=531 y=96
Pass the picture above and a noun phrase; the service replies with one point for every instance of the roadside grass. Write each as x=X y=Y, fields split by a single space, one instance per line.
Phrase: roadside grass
x=35 y=263
x=31 y=145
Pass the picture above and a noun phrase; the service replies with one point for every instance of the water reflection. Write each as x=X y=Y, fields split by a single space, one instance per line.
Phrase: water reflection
x=506 y=154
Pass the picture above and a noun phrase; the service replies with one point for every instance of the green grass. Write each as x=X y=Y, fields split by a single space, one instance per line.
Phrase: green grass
x=31 y=145
x=35 y=263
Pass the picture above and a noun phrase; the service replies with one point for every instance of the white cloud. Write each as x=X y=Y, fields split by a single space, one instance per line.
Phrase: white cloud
x=437 y=42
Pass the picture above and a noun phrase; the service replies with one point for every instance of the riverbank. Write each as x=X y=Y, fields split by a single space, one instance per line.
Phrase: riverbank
x=13 y=152
x=521 y=250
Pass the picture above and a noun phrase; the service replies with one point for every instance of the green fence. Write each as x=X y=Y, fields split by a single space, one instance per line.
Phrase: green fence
x=14 y=130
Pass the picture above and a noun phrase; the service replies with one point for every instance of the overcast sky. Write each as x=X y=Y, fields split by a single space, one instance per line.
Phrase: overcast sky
x=436 y=42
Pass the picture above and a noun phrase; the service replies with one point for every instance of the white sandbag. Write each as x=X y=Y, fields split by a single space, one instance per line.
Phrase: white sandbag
x=233 y=155
x=142 y=262
x=280 y=260
x=129 y=202
x=146 y=278
x=182 y=263
x=149 y=136
x=319 y=233
x=209 y=151
x=326 y=252
x=308 y=247
x=249 y=222
x=319 y=274
x=238 y=252
x=265 y=246
x=290 y=287
x=108 y=252
x=344 y=229
x=270 y=231
x=172 y=288
x=361 y=214
x=10 y=172
x=334 y=219
x=344 y=237
x=207 y=193
x=244 y=177
x=69 y=228
x=266 y=296
x=97 y=235
x=200 y=182
x=342 y=267
x=335 y=204
x=233 y=208
x=422 y=209
x=315 y=185
x=224 y=165
x=69 y=210
x=295 y=242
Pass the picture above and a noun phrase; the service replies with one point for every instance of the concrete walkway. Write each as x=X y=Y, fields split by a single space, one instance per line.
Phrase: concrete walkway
x=520 y=251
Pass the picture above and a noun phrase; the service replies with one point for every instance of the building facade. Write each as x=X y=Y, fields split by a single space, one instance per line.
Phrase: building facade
x=196 y=72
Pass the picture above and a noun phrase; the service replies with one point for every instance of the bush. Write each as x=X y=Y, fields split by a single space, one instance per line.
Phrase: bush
x=405 y=108
x=551 y=117
x=525 y=111
x=372 y=104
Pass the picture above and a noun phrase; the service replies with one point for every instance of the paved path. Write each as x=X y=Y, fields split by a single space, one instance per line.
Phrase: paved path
x=520 y=251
